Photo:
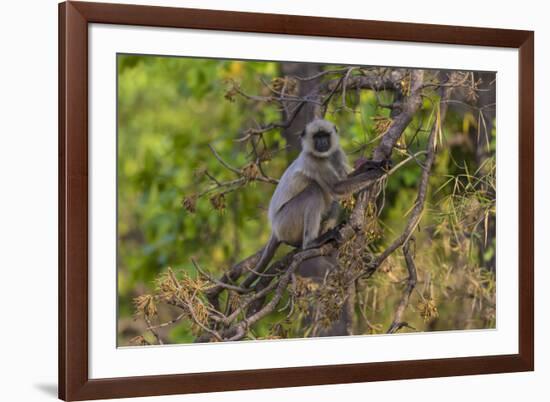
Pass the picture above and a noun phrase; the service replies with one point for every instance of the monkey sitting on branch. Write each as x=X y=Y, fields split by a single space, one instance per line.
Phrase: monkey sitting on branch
x=304 y=207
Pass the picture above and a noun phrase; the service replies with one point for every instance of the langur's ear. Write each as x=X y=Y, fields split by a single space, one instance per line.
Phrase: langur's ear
x=303 y=133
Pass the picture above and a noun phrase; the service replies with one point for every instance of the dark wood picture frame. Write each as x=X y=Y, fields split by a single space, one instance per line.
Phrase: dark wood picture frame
x=74 y=382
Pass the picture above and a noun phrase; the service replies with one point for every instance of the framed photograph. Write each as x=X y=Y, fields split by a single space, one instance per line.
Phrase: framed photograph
x=259 y=200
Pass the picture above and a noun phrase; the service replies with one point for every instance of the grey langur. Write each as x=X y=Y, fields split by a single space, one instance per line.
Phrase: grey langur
x=305 y=200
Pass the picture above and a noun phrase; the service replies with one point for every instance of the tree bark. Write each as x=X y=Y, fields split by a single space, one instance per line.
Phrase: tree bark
x=307 y=111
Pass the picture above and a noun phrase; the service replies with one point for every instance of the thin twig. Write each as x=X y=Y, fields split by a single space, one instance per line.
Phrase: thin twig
x=151 y=329
x=217 y=282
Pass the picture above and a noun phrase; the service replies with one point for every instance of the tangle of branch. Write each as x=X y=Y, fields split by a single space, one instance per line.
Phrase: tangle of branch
x=243 y=307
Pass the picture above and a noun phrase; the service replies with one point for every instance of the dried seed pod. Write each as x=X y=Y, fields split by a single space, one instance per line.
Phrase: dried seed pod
x=348 y=203
x=232 y=91
x=218 y=202
x=190 y=203
x=145 y=306
x=428 y=309
x=251 y=171
x=289 y=85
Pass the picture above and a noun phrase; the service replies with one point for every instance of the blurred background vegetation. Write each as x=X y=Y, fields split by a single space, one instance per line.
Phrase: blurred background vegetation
x=171 y=109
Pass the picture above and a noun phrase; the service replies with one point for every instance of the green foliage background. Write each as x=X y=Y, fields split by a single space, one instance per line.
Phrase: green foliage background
x=170 y=109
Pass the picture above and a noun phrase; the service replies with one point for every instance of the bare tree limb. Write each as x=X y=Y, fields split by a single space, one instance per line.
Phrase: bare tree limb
x=402 y=120
x=398 y=322
x=415 y=215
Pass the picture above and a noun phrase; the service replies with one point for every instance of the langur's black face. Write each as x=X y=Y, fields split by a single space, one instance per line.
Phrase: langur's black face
x=320 y=138
x=321 y=141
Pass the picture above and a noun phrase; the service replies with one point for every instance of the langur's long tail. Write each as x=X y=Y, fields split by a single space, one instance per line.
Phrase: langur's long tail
x=268 y=253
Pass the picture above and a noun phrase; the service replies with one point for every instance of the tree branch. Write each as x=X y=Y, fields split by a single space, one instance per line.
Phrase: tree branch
x=415 y=215
x=402 y=120
x=398 y=322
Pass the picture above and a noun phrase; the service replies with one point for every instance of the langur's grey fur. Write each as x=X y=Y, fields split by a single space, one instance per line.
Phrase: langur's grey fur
x=308 y=192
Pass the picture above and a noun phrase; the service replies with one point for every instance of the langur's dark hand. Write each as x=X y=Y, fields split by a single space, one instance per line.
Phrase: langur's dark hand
x=365 y=165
